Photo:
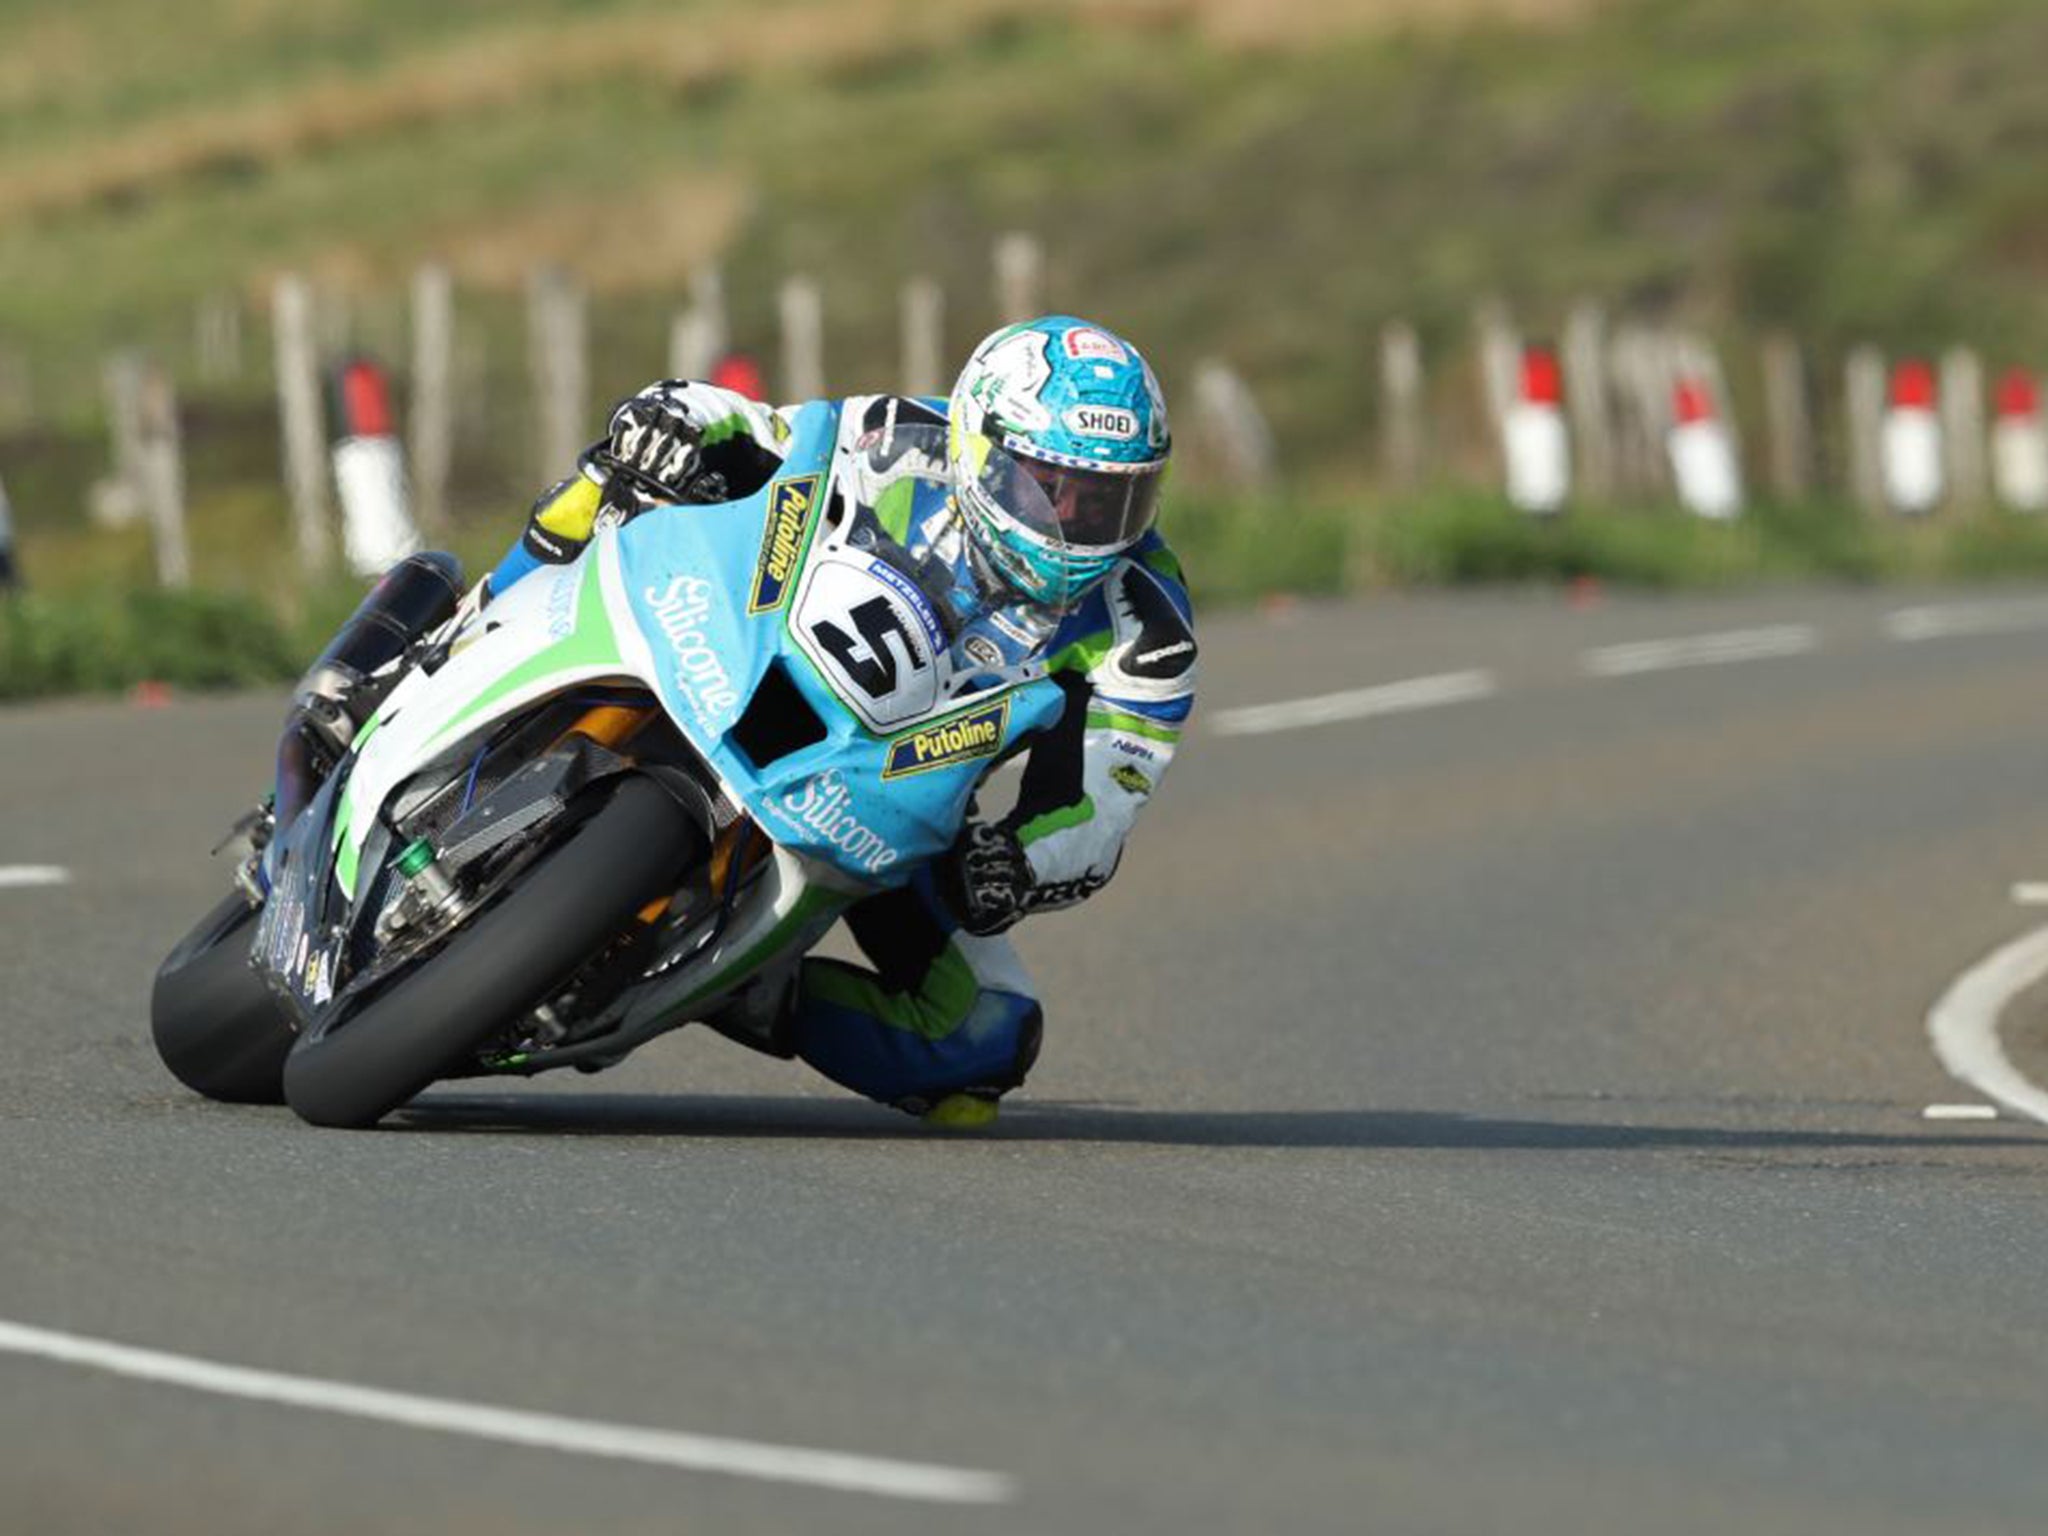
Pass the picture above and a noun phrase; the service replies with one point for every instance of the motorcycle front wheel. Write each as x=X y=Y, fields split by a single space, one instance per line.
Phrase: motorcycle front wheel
x=215 y=1024
x=500 y=964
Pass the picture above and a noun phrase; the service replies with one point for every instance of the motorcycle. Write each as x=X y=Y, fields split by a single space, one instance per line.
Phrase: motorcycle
x=614 y=800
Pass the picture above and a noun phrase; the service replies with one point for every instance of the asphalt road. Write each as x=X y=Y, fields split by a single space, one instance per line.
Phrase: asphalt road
x=1499 y=1115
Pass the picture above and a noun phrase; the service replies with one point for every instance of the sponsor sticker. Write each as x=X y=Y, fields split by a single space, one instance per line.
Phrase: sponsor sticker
x=1130 y=780
x=962 y=739
x=1108 y=421
x=982 y=651
x=681 y=610
x=823 y=804
x=1085 y=343
x=782 y=540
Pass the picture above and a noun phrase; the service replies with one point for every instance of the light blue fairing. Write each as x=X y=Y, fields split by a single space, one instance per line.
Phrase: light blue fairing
x=714 y=588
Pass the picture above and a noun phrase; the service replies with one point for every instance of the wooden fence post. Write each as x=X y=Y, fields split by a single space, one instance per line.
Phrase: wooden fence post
x=217 y=339
x=299 y=418
x=163 y=479
x=690 y=350
x=17 y=390
x=1020 y=277
x=1500 y=363
x=559 y=356
x=1963 y=435
x=1401 y=417
x=707 y=301
x=1232 y=421
x=117 y=499
x=1789 y=418
x=1864 y=391
x=924 y=326
x=803 y=340
x=1587 y=401
x=433 y=406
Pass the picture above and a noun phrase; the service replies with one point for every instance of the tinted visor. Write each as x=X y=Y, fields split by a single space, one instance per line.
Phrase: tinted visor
x=1084 y=509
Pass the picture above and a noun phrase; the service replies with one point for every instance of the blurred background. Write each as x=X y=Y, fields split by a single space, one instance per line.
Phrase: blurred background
x=1378 y=249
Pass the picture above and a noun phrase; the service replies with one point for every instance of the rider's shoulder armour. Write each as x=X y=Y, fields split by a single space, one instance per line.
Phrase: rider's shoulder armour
x=1135 y=636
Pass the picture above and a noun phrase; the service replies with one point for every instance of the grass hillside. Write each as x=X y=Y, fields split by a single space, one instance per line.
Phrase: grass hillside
x=1269 y=180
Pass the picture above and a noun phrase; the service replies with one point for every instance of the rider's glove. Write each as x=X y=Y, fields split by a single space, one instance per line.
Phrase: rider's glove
x=649 y=456
x=985 y=879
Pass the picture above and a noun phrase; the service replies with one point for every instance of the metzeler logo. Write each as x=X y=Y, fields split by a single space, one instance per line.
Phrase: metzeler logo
x=681 y=611
x=979 y=733
x=789 y=507
x=822 y=804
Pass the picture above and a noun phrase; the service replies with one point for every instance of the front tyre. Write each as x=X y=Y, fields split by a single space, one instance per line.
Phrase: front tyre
x=502 y=963
x=215 y=1024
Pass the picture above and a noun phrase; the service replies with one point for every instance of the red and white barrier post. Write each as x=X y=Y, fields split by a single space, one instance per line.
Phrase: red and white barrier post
x=1534 y=438
x=2019 y=443
x=1703 y=465
x=1910 y=442
x=377 y=529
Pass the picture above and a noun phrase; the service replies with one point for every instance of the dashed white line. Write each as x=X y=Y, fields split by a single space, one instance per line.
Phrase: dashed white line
x=1939 y=621
x=2030 y=893
x=1719 y=649
x=1964 y=1024
x=23 y=876
x=1355 y=704
x=543 y=1431
x=1960 y=1112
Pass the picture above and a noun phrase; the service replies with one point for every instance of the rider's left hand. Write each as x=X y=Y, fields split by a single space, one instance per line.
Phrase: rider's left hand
x=984 y=878
x=650 y=452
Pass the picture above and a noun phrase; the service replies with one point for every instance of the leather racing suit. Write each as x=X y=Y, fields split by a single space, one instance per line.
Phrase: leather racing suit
x=944 y=1011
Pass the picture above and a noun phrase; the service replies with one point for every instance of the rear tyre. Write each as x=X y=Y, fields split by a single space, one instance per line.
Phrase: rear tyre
x=215 y=1024
x=502 y=963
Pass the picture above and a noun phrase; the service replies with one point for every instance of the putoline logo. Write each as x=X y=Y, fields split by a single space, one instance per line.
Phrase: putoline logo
x=978 y=733
x=782 y=540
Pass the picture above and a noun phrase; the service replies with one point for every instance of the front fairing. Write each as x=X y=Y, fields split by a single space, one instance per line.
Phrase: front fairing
x=776 y=590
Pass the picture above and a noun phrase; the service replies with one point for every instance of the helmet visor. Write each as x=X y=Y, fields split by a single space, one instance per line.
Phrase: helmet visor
x=1086 y=510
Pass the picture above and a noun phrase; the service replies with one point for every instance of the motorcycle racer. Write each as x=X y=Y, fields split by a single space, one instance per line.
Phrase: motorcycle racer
x=1043 y=553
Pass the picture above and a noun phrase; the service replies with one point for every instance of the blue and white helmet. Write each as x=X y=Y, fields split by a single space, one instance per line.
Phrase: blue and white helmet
x=1058 y=438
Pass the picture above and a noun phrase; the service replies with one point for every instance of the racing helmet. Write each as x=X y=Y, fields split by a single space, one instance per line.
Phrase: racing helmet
x=1058 y=440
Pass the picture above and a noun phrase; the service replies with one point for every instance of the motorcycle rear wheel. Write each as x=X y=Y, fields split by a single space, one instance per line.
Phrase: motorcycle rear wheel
x=501 y=963
x=214 y=1023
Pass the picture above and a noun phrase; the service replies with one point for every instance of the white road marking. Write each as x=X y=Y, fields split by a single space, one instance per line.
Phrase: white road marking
x=1960 y=1112
x=1719 y=649
x=543 y=1431
x=1354 y=704
x=1964 y=1024
x=1992 y=617
x=21 y=876
x=2030 y=893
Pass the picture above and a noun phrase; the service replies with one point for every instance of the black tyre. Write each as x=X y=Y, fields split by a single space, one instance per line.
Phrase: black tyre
x=215 y=1024
x=502 y=963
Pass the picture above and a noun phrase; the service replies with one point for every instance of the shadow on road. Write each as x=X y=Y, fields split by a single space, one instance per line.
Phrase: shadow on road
x=690 y=1116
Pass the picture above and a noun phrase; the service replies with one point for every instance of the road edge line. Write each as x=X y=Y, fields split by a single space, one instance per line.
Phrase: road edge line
x=1963 y=1024
x=838 y=1470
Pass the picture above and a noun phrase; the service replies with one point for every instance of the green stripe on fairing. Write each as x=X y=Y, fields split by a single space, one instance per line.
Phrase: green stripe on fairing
x=590 y=643
x=813 y=901
x=1136 y=725
x=1057 y=821
x=345 y=866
